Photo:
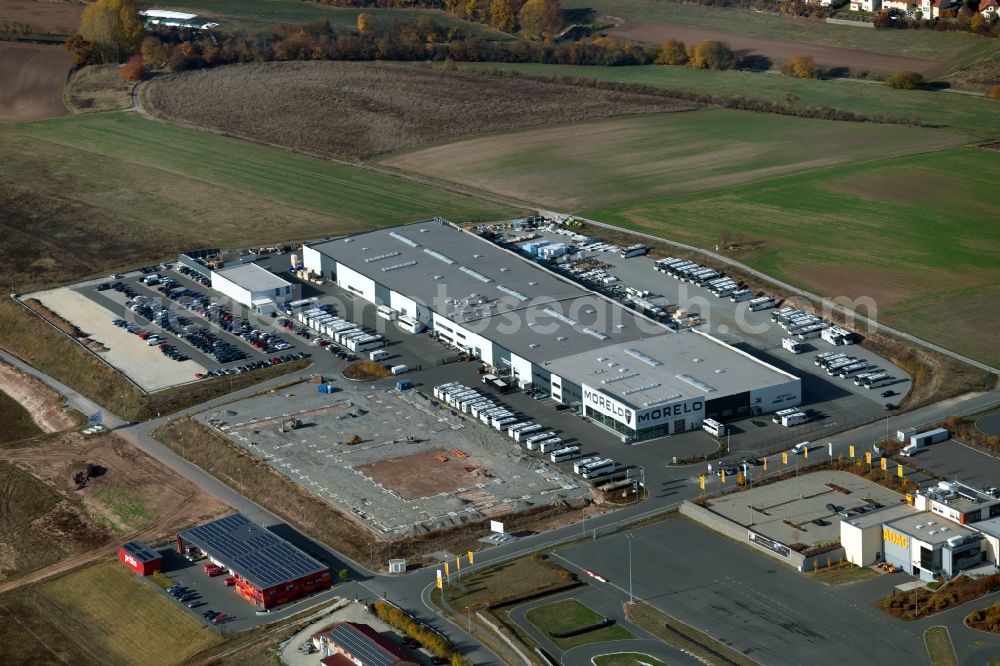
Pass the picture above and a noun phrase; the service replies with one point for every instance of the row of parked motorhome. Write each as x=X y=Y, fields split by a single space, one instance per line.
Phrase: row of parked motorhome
x=533 y=436
x=718 y=284
x=345 y=333
x=839 y=364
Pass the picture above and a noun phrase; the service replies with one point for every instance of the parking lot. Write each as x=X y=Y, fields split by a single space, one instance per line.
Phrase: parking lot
x=392 y=460
x=806 y=509
x=768 y=612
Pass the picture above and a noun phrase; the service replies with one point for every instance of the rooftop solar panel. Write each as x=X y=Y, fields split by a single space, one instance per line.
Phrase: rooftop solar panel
x=256 y=554
x=362 y=646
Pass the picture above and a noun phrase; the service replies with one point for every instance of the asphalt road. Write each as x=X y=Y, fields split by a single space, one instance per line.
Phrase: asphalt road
x=668 y=486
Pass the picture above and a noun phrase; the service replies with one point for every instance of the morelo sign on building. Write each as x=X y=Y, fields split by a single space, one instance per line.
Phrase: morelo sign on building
x=629 y=373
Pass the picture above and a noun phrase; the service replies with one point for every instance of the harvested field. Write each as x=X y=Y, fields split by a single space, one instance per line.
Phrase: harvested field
x=98 y=88
x=48 y=524
x=31 y=78
x=17 y=422
x=42 y=406
x=56 y=18
x=100 y=614
x=779 y=50
x=356 y=110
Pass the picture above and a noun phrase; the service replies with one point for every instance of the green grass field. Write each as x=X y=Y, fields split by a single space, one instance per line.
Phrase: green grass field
x=623 y=161
x=976 y=116
x=568 y=615
x=918 y=234
x=959 y=47
x=101 y=614
x=186 y=158
x=16 y=421
x=253 y=15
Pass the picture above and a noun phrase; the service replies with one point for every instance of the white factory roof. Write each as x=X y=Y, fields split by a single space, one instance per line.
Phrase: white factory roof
x=252 y=277
x=666 y=368
x=164 y=14
x=539 y=315
x=883 y=516
x=929 y=528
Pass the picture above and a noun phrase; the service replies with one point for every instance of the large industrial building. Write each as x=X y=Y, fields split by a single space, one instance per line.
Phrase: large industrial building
x=268 y=570
x=949 y=528
x=628 y=373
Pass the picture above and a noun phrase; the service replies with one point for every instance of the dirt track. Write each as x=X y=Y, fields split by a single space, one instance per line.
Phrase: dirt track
x=174 y=502
x=43 y=404
x=31 y=81
x=779 y=50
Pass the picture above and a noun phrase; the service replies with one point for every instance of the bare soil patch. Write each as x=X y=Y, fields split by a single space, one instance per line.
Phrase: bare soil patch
x=423 y=474
x=356 y=110
x=52 y=17
x=885 y=286
x=86 y=522
x=779 y=50
x=42 y=403
x=98 y=88
x=31 y=81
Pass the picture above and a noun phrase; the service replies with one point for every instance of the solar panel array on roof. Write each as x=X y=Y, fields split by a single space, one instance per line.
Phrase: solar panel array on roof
x=255 y=553
x=362 y=646
x=140 y=551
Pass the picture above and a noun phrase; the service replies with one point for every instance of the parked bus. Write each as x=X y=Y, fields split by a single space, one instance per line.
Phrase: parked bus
x=549 y=445
x=761 y=303
x=598 y=469
x=582 y=464
x=881 y=381
x=633 y=251
x=523 y=433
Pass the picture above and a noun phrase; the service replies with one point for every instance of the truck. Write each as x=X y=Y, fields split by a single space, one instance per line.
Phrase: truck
x=798 y=418
x=929 y=437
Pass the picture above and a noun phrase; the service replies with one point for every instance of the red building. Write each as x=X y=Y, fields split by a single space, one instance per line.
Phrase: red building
x=268 y=570
x=140 y=558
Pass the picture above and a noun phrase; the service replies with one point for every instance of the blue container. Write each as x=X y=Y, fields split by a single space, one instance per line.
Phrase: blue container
x=325 y=388
x=404 y=385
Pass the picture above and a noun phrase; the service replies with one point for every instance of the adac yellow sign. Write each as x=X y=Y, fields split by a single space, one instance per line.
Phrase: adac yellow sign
x=895 y=538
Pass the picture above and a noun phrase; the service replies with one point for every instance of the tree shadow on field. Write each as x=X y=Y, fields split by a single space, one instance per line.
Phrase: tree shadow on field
x=754 y=62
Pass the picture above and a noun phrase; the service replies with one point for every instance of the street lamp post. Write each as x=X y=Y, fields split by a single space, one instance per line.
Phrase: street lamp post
x=468 y=614
x=630 y=597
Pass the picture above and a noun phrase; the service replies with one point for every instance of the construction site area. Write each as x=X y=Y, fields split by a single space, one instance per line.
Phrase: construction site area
x=390 y=459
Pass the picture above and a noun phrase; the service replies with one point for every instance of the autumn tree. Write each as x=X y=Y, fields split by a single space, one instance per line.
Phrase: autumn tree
x=362 y=22
x=540 y=19
x=994 y=92
x=112 y=28
x=502 y=15
x=133 y=69
x=672 y=53
x=906 y=81
x=711 y=54
x=801 y=67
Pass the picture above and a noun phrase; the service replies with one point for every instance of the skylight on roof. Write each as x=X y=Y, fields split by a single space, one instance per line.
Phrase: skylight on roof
x=697 y=383
x=640 y=389
x=560 y=316
x=380 y=257
x=596 y=334
x=386 y=269
x=643 y=356
x=437 y=255
x=400 y=237
x=513 y=292
x=476 y=274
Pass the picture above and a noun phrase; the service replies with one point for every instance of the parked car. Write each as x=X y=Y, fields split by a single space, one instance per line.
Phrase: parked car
x=221 y=617
x=888 y=394
x=229 y=582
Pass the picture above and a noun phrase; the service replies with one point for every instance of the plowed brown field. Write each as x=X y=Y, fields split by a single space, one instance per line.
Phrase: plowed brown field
x=58 y=18
x=779 y=50
x=31 y=81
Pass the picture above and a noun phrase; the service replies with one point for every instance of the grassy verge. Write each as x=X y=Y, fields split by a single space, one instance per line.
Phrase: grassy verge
x=17 y=422
x=509 y=580
x=684 y=637
x=99 y=614
x=569 y=615
x=843 y=574
x=939 y=647
x=627 y=659
x=308 y=513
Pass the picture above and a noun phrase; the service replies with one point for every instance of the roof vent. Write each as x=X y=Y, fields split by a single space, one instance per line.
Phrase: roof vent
x=533 y=345
x=561 y=338
x=504 y=269
x=697 y=360
x=533 y=284
x=719 y=371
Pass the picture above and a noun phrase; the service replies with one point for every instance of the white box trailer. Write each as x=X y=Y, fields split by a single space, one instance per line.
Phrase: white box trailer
x=930 y=437
x=500 y=424
x=798 y=418
x=782 y=413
